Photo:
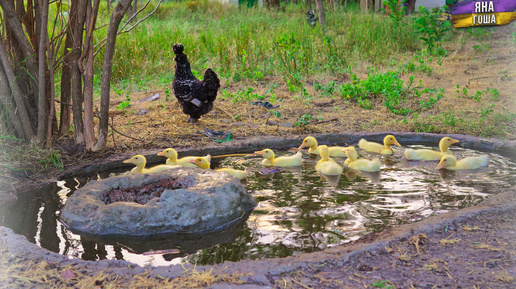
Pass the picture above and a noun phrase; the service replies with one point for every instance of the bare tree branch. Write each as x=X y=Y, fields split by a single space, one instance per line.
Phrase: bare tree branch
x=102 y=43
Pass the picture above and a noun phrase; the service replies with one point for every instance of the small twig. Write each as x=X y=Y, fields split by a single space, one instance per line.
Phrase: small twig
x=63 y=103
x=127 y=136
x=224 y=111
x=299 y=283
x=230 y=155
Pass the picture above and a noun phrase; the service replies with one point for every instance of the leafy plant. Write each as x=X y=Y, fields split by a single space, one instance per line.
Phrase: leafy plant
x=289 y=50
x=328 y=89
x=125 y=103
x=432 y=29
x=494 y=93
x=485 y=111
x=244 y=94
x=305 y=119
x=396 y=10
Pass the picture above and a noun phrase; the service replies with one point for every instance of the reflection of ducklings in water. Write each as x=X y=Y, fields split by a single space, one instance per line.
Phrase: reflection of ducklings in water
x=431 y=155
x=374 y=147
x=140 y=162
x=283 y=161
x=449 y=162
x=326 y=165
x=333 y=181
x=361 y=164
x=313 y=148
x=374 y=177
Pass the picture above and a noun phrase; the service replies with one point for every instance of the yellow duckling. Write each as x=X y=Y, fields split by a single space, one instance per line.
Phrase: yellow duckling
x=204 y=163
x=374 y=147
x=237 y=173
x=431 y=155
x=361 y=164
x=313 y=148
x=469 y=163
x=348 y=160
x=172 y=159
x=140 y=162
x=201 y=162
x=326 y=165
x=284 y=161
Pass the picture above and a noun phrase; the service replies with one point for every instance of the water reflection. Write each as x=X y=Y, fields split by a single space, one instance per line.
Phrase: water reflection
x=298 y=210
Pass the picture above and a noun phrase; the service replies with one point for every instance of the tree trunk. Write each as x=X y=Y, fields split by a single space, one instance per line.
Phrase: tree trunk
x=89 y=127
x=116 y=18
x=8 y=107
x=322 y=15
x=17 y=94
x=77 y=97
x=25 y=47
x=66 y=86
x=42 y=62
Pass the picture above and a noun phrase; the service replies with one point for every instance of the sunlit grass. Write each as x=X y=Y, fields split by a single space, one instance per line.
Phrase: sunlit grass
x=245 y=43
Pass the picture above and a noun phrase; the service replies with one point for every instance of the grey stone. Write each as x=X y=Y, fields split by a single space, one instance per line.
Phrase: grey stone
x=206 y=201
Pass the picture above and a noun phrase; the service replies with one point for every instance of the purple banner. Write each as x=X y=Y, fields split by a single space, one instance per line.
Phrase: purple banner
x=475 y=7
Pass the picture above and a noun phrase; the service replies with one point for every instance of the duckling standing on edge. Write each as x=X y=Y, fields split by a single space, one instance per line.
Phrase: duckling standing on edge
x=140 y=162
x=374 y=147
x=326 y=165
x=361 y=164
x=313 y=148
x=431 y=155
x=284 y=161
x=449 y=162
x=172 y=159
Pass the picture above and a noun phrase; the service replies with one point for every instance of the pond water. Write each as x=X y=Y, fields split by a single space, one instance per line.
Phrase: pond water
x=298 y=210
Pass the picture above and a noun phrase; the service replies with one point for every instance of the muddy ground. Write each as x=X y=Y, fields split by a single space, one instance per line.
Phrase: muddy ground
x=472 y=248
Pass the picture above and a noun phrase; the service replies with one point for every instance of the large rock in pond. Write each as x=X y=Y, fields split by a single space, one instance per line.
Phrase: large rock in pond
x=177 y=200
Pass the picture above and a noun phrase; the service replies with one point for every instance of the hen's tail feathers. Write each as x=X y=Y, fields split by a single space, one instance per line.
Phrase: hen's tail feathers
x=211 y=83
x=178 y=48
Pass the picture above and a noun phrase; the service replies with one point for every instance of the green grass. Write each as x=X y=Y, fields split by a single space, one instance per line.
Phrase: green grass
x=251 y=43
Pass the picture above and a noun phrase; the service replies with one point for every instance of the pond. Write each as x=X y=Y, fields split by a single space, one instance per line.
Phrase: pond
x=298 y=210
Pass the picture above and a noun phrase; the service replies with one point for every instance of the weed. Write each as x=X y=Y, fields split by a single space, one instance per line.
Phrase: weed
x=396 y=11
x=305 y=119
x=485 y=111
x=449 y=118
x=289 y=52
x=494 y=93
x=419 y=63
x=379 y=85
x=53 y=159
x=481 y=48
x=304 y=95
x=242 y=95
x=383 y=284
x=328 y=89
x=461 y=92
x=478 y=95
x=125 y=103
x=431 y=29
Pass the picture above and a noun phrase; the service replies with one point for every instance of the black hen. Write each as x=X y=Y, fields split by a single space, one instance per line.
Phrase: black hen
x=195 y=96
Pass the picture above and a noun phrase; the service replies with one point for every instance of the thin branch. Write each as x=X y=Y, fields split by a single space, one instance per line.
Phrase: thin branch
x=103 y=42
